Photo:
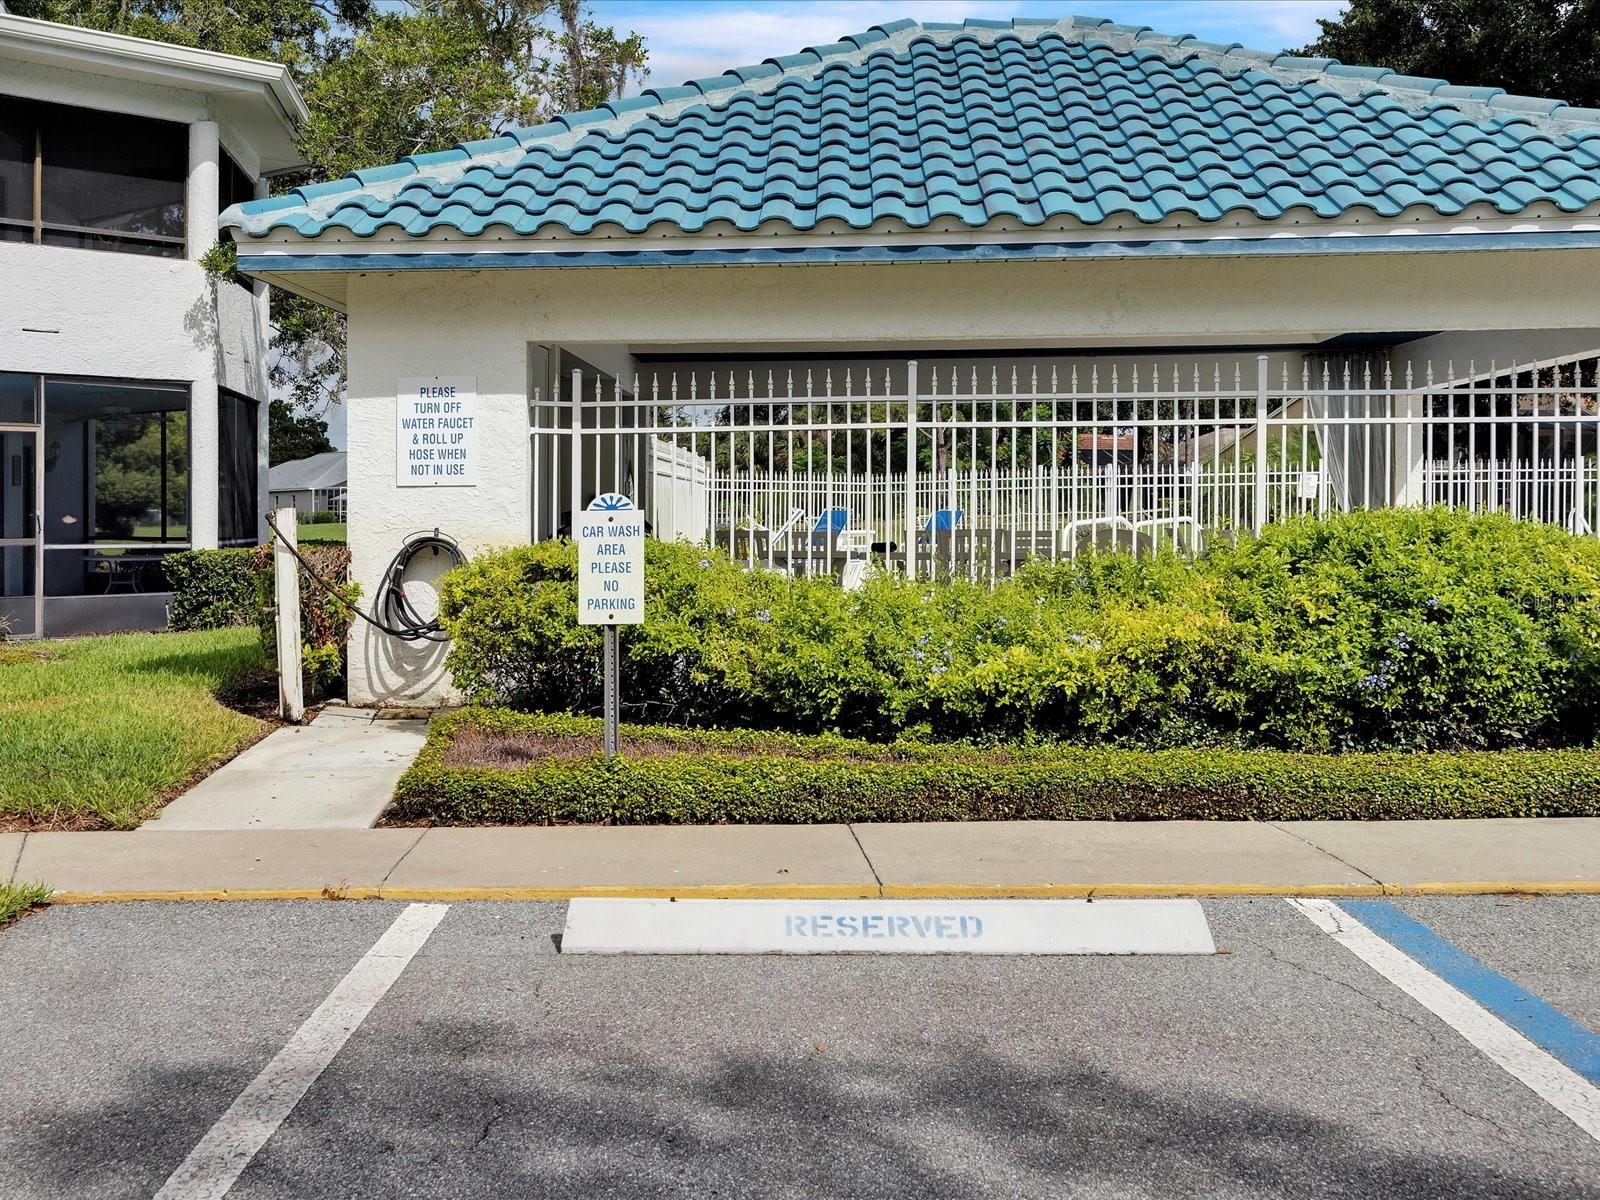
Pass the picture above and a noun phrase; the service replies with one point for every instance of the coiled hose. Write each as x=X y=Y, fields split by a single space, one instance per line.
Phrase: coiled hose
x=399 y=618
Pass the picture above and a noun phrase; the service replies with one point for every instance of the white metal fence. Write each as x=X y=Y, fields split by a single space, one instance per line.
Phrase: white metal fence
x=968 y=473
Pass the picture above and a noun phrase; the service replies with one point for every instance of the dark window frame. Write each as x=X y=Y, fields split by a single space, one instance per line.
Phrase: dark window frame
x=174 y=385
x=249 y=417
x=87 y=237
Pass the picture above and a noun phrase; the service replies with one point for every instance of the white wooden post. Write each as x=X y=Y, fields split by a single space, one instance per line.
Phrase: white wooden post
x=1259 y=517
x=911 y=469
x=286 y=601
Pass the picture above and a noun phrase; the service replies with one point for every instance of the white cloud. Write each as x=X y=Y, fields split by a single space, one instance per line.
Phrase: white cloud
x=689 y=39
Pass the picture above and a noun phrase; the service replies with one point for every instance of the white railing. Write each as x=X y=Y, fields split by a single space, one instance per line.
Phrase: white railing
x=932 y=471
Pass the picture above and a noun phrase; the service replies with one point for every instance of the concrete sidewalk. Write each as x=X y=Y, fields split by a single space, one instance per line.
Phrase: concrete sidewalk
x=1026 y=858
x=338 y=772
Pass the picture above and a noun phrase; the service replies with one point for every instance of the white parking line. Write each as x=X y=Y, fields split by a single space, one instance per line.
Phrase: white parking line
x=1552 y=1080
x=221 y=1156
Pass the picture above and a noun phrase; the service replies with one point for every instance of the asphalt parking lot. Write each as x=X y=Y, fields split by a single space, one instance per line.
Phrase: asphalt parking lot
x=495 y=1066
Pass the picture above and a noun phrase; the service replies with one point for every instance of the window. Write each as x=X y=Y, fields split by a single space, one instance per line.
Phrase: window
x=17 y=149
x=116 y=484
x=236 y=485
x=17 y=398
x=81 y=177
x=233 y=185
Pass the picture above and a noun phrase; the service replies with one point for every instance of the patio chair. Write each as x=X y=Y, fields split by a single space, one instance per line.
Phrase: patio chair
x=1178 y=529
x=825 y=533
x=1098 y=533
x=764 y=541
x=942 y=526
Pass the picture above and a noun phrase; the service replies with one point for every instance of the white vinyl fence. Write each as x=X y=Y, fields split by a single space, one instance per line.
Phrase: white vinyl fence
x=970 y=474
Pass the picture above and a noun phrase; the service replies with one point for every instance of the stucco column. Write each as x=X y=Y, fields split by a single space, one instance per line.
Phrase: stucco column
x=202 y=198
x=205 y=153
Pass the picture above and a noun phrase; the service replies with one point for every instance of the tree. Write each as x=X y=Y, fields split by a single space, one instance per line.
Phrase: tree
x=297 y=33
x=381 y=85
x=293 y=434
x=1529 y=47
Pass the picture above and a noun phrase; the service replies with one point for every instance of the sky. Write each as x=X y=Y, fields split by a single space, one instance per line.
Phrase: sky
x=693 y=38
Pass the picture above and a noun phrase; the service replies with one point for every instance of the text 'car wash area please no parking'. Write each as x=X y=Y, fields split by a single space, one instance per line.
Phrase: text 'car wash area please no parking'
x=611 y=562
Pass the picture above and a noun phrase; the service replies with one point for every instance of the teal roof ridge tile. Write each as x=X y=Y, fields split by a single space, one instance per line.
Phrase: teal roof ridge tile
x=1080 y=119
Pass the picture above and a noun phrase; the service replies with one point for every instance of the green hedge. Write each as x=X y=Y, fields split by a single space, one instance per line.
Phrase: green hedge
x=1394 y=630
x=712 y=777
x=211 y=589
x=233 y=586
x=321 y=516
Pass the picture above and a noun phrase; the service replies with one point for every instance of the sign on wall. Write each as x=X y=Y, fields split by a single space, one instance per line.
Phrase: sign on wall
x=435 y=431
x=610 y=562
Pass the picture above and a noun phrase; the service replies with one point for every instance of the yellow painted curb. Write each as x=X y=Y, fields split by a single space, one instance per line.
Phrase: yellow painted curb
x=1557 y=887
x=448 y=894
x=930 y=891
x=1084 y=891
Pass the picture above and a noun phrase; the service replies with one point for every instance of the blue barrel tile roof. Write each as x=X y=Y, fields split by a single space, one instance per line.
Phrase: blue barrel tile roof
x=1077 y=121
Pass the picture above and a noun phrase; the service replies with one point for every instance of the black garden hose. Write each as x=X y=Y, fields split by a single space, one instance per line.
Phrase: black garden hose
x=399 y=618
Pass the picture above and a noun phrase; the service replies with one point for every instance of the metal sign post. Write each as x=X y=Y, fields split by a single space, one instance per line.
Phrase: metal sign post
x=613 y=688
x=610 y=537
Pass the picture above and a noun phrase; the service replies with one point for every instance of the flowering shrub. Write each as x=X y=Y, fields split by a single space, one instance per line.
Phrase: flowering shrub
x=1398 y=630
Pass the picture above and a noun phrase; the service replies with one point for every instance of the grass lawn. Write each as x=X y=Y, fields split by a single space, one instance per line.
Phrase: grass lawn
x=18 y=898
x=99 y=731
x=332 y=532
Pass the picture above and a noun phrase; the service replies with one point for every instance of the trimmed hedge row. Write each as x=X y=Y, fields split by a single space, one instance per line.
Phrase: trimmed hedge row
x=716 y=777
x=1396 y=630
x=211 y=589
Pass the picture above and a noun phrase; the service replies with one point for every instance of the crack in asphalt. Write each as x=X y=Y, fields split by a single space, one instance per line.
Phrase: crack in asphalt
x=1431 y=1027
x=494 y=1119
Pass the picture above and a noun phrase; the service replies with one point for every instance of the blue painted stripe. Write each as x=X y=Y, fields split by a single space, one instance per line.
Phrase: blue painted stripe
x=252 y=264
x=1544 y=1026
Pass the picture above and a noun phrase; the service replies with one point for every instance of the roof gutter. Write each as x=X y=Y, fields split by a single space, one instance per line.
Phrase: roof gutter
x=283 y=262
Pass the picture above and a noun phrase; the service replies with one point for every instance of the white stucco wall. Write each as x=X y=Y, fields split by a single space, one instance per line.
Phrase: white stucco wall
x=393 y=333
x=481 y=323
x=67 y=311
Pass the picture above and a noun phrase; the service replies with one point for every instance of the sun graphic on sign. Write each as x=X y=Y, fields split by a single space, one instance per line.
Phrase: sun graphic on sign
x=610 y=502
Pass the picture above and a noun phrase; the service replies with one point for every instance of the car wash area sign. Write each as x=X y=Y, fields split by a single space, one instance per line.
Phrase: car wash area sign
x=610 y=562
x=435 y=431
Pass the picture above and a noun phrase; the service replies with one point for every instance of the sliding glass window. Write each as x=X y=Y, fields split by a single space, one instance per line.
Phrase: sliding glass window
x=116 y=484
x=100 y=180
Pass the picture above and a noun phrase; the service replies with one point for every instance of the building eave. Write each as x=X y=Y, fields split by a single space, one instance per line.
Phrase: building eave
x=320 y=276
x=260 y=97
